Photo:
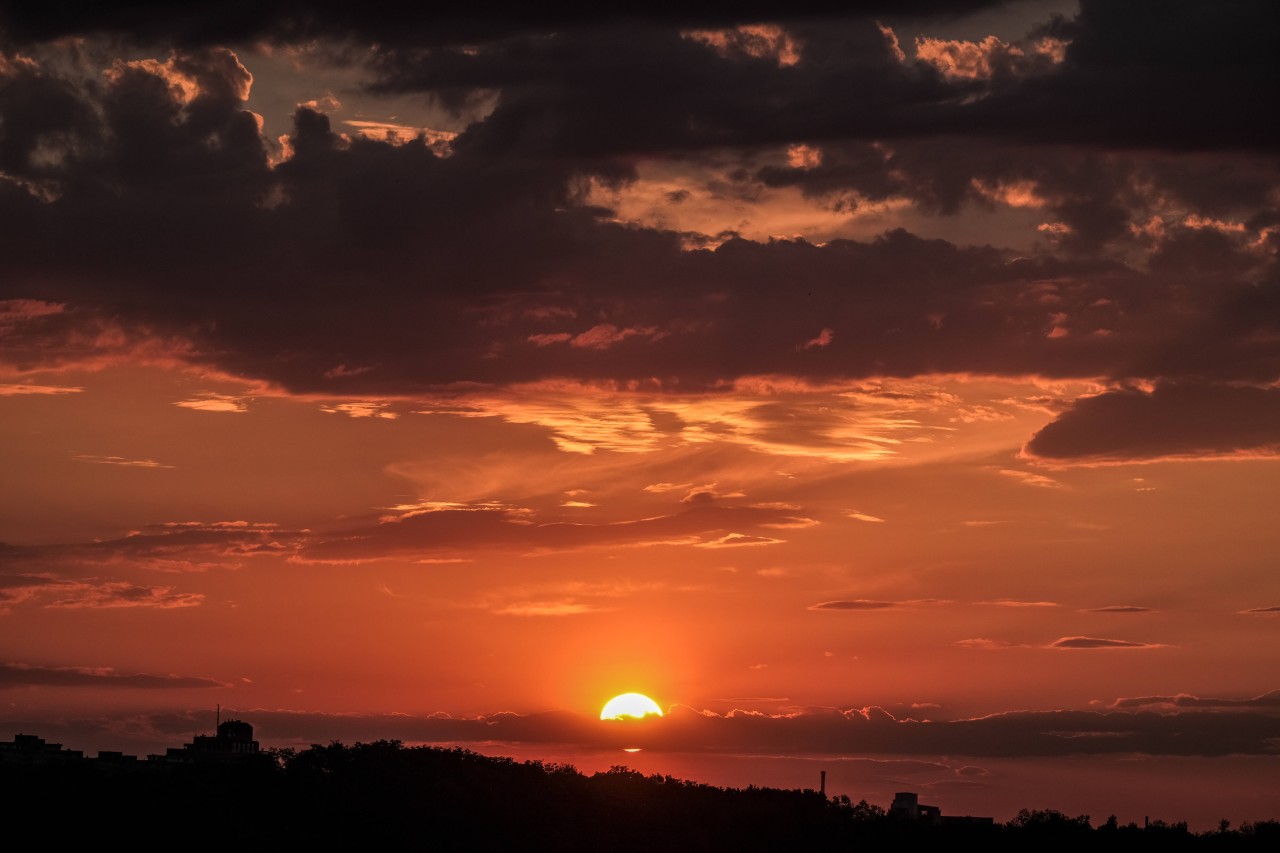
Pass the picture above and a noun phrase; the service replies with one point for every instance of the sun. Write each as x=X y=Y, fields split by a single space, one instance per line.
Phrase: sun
x=629 y=706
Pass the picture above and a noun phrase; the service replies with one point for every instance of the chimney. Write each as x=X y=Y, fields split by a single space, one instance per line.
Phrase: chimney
x=823 y=788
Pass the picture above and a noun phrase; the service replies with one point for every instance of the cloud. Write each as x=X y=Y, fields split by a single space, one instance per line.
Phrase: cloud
x=1186 y=700
x=457 y=530
x=856 y=604
x=14 y=675
x=987 y=643
x=1173 y=420
x=1011 y=602
x=116 y=594
x=823 y=339
x=42 y=390
x=828 y=732
x=54 y=591
x=739 y=540
x=1027 y=478
x=213 y=402
x=967 y=60
x=149 y=258
x=548 y=608
x=167 y=547
x=362 y=409
x=120 y=460
x=862 y=516
x=1263 y=611
x=1119 y=608
x=1098 y=643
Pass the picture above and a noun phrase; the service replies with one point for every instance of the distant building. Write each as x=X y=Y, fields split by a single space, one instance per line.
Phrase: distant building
x=233 y=741
x=29 y=749
x=907 y=806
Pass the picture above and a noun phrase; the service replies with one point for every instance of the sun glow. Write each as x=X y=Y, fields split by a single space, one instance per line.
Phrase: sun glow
x=629 y=705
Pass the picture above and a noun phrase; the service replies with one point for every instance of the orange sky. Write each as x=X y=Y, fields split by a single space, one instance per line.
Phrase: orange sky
x=926 y=434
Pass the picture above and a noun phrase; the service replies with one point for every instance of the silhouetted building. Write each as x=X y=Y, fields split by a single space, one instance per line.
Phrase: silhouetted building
x=233 y=741
x=29 y=749
x=907 y=806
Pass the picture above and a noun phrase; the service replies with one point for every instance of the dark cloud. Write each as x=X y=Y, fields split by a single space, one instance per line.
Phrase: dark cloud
x=1188 y=74
x=1184 y=700
x=1174 y=419
x=205 y=23
x=166 y=547
x=1263 y=610
x=828 y=732
x=1099 y=643
x=855 y=604
x=145 y=207
x=1119 y=608
x=432 y=531
x=61 y=591
x=20 y=675
x=465 y=530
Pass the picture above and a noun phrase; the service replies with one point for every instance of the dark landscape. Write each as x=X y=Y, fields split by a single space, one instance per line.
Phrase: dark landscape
x=385 y=795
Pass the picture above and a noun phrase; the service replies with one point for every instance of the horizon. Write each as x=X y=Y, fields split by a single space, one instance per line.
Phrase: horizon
x=893 y=392
x=542 y=760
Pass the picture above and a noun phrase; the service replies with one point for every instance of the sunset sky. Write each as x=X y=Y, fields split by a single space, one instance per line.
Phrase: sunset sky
x=896 y=395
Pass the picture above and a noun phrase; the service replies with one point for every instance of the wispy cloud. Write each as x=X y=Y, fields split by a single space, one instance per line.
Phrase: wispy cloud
x=1028 y=478
x=1013 y=602
x=23 y=675
x=122 y=461
x=210 y=401
x=361 y=409
x=1119 y=608
x=862 y=516
x=39 y=390
x=1099 y=643
x=739 y=540
x=1187 y=700
x=548 y=608
x=987 y=643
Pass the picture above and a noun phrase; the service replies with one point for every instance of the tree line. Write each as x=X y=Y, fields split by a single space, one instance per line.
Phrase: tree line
x=384 y=795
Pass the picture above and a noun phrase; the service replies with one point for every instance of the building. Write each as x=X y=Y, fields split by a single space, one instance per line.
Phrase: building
x=29 y=749
x=907 y=806
x=234 y=741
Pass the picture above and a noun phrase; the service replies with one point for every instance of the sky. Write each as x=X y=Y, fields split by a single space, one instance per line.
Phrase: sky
x=895 y=394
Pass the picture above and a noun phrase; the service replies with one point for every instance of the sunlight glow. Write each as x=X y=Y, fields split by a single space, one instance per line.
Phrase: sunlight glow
x=633 y=705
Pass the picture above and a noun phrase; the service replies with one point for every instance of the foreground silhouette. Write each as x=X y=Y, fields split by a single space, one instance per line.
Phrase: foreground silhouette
x=382 y=795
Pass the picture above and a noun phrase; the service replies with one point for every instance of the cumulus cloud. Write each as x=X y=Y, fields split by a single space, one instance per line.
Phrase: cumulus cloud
x=645 y=306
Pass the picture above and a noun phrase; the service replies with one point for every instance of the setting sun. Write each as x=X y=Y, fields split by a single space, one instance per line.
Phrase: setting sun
x=629 y=705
